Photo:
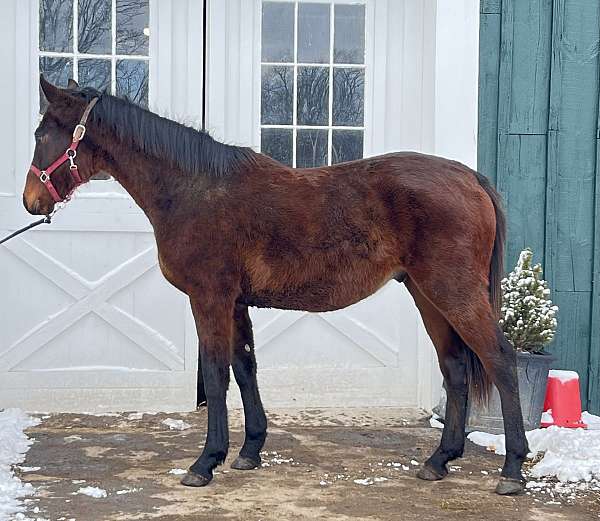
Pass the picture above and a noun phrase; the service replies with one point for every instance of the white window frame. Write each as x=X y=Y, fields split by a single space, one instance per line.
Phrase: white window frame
x=109 y=185
x=75 y=55
x=331 y=66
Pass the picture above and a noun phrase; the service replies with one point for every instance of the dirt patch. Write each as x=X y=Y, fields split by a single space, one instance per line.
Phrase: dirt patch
x=337 y=465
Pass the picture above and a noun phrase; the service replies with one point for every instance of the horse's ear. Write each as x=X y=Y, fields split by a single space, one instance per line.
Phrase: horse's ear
x=72 y=85
x=51 y=92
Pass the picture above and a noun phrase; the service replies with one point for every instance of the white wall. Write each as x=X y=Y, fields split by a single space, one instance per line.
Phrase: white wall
x=457 y=80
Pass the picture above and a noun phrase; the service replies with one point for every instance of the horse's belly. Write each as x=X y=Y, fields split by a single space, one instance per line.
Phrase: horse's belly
x=327 y=292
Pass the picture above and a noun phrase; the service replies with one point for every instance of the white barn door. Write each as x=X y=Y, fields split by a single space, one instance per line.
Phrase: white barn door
x=371 y=65
x=87 y=321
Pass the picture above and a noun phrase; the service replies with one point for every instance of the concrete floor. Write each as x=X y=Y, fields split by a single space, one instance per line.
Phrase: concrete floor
x=312 y=459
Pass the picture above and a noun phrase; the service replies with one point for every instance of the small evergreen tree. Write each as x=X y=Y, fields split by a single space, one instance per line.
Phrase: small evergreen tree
x=528 y=317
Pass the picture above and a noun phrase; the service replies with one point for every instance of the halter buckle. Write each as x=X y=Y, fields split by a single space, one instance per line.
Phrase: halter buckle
x=71 y=156
x=44 y=177
x=78 y=133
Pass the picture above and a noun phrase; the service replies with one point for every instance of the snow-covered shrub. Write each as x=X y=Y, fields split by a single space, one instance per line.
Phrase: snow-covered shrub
x=528 y=317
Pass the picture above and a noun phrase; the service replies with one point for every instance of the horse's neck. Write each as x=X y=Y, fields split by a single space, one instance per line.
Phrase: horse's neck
x=155 y=186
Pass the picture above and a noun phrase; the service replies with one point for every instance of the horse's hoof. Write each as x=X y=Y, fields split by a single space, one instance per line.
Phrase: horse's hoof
x=428 y=474
x=191 y=479
x=243 y=463
x=509 y=486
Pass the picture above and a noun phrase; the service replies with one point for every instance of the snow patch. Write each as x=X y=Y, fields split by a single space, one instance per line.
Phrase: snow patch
x=570 y=455
x=127 y=491
x=14 y=444
x=370 y=481
x=94 y=492
x=592 y=421
x=435 y=423
x=28 y=469
x=563 y=376
x=178 y=472
x=547 y=417
x=274 y=458
x=176 y=425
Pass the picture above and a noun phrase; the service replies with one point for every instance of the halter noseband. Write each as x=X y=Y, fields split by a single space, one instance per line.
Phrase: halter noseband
x=69 y=155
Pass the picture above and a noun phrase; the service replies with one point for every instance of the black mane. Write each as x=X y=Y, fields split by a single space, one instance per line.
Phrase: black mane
x=186 y=148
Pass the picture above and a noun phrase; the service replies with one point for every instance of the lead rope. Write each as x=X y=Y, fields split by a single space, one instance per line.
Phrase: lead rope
x=45 y=220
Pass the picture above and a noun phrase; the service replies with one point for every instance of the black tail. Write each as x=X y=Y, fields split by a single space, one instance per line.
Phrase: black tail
x=479 y=383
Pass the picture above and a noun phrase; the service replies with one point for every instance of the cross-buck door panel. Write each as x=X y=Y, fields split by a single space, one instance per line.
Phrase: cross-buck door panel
x=91 y=323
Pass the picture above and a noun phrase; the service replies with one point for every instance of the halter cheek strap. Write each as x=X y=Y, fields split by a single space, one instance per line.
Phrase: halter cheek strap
x=69 y=155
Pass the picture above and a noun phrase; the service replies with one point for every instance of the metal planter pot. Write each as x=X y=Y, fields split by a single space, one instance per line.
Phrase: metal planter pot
x=532 y=370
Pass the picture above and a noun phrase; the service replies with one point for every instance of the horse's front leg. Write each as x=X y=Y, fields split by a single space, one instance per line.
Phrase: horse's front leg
x=214 y=323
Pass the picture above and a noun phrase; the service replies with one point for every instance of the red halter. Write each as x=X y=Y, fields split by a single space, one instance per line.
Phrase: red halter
x=69 y=155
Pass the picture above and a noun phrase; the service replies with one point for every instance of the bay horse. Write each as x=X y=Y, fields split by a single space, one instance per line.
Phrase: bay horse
x=235 y=228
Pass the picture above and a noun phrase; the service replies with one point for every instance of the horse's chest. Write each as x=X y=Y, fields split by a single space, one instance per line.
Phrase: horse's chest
x=169 y=271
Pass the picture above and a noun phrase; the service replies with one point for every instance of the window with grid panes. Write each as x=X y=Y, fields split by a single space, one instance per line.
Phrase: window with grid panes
x=312 y=82
x=99 y=43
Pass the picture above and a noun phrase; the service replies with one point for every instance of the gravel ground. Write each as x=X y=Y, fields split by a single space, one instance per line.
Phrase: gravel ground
x=338 y=465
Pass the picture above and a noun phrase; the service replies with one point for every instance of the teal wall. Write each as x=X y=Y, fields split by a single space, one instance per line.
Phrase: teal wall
x=539 y=142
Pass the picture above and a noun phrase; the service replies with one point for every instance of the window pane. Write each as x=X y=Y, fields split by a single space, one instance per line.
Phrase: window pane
x=132 y=80
x=348 y=97
x=133 y=27
x=311 y=148
x=94 y=26
x=349 y=34
x=346 y=145
x=56 y=26
x=94 y=73
x=277 y=32
x=277 y=143
x=313 y=33
x=56 y=71
x=277 y=93
x=313 y=96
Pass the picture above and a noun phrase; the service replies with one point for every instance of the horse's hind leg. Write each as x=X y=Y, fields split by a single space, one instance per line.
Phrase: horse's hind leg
x=468 y=310
x=452 y=360
x=244 y=370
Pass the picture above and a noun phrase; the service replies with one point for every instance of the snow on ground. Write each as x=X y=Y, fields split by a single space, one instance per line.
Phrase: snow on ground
x=435 y=422
x=94 y=492
x=274 y=458
x=14 y=444
x=128 y=491
x=176 y=425
x=592 y=421
x=569 y=455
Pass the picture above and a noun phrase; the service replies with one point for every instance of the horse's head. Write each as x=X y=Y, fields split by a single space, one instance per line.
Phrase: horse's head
x=54 y=171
